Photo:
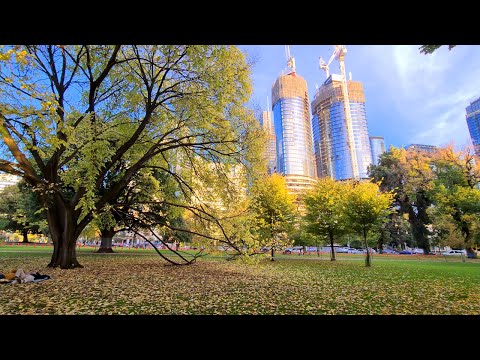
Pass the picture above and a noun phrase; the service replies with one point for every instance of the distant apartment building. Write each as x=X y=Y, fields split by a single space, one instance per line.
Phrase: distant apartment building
x=331 y=145
x=422 y=148
x=377 y=144
x=271 y=146
x=8 y=180
x=219 y=184
x=473 y=122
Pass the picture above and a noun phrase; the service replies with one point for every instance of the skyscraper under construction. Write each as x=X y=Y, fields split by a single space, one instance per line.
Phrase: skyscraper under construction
x=293 y=130
x=330 y=130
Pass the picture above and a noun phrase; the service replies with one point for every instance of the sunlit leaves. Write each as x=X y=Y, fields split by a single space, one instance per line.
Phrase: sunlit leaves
x=91 y=119
x=325 y=207
x=273 y=209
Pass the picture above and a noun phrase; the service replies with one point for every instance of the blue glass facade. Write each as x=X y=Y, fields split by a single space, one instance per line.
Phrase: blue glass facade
x=293 y=130
x=341 y=164
x=377 y=144
x=271 y=147
x=473 y=122
x=330 y=137
x=294 y=139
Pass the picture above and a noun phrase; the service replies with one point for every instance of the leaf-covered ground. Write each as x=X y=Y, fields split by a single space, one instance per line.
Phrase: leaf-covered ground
x=120 y=284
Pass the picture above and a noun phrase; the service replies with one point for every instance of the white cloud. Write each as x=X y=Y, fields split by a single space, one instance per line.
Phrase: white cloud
x=427 y=93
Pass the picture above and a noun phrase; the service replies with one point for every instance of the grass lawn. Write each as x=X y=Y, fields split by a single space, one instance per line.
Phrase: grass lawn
x=142 y=283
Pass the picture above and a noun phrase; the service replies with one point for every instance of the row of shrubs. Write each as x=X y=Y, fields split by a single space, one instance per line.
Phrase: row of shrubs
x=17 y=237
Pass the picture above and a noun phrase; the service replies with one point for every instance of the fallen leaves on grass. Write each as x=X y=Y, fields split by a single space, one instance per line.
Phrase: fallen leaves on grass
x=145 y=285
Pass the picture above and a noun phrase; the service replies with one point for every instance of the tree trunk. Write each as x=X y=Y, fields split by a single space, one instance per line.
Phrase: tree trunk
x=381 y=240
x=64 y=236
x=380 y=245
x=273 y=255
x=25 y=235
x=418 y=222
x=106 y=242
x=368 y=260
x=471 y=253
x=332 y=248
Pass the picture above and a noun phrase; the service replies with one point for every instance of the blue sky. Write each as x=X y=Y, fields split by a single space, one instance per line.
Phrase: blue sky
x=410 y=97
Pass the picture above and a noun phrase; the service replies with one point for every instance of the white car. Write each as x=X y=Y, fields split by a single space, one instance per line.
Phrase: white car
x=354 y=251
x=455 y=252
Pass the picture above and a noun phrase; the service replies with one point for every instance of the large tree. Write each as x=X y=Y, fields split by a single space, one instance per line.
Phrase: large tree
x=395 y=232
x=457 y=197
x=409 y=174
x=147 y=192
x=274 y=211
x=71 y=116
x=366 y=209
x=325 y=210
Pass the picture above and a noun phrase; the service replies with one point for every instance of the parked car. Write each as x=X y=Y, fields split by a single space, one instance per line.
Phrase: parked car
x=355 y=251
x=405 y=252
x=389 y=251
x=455 y=252
x=417 y=251
x=364 y=251
x=342 y=250
x=294 y=250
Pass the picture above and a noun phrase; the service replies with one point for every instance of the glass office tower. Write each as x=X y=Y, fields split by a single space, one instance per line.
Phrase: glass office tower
x=377 y=144
x=271 y=148
x=332 y=153
x=473 y=122
x=293 y=131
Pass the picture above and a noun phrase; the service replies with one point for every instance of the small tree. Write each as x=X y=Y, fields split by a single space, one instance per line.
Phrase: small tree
x=303 y=237
x=274 y=211
x=21 y=211
x=325 y=210
x=366 y=208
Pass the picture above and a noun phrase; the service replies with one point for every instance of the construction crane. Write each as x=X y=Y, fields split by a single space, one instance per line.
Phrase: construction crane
x=339 y=53
x=290 y=59
x=326 y=66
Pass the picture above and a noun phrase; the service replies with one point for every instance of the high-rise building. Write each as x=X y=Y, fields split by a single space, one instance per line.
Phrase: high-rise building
x=473 y=122
x=293 y=131
x=377 y=144
x=422 y=148
x=332 y=152
x=271 y=148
